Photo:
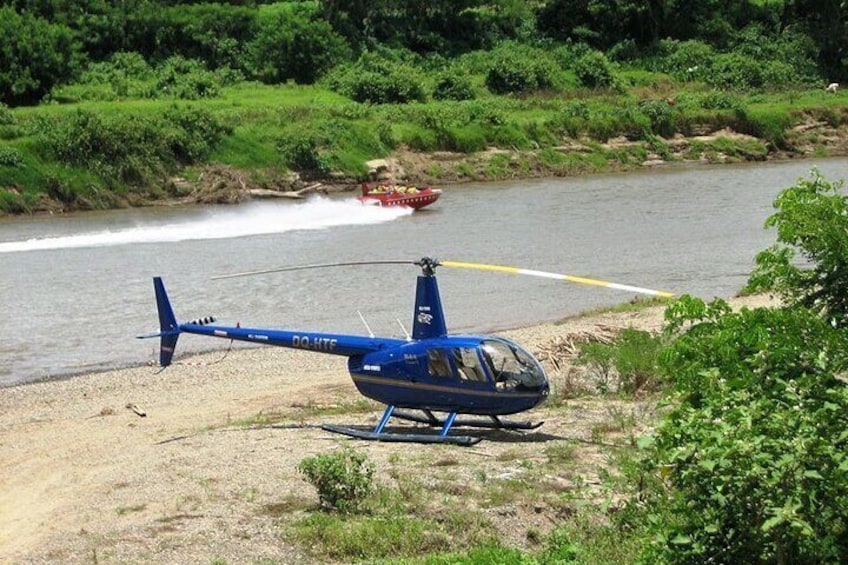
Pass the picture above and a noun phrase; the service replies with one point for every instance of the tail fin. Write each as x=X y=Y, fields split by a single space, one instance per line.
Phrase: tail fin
x=169 y=329
x=429 y=318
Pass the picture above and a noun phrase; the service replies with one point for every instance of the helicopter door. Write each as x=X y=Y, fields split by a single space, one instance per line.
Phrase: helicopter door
x=467 y=364
x=438 y=364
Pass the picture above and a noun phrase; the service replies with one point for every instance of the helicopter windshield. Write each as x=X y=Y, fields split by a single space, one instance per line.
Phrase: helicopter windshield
x=512 y=367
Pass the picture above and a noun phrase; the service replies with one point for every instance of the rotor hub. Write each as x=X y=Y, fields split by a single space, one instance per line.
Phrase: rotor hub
x=428 y=266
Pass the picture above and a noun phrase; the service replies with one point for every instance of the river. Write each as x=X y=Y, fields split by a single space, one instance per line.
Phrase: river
x=77 y=289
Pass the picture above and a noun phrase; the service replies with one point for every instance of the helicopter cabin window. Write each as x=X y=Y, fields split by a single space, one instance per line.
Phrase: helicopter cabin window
x=468 y=364
x=437 y=363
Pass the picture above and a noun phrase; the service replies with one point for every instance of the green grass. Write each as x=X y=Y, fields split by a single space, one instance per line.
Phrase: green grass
x=346 y=134
x=380 y=536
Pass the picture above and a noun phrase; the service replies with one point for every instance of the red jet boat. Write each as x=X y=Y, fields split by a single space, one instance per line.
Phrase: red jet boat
x=390 y=194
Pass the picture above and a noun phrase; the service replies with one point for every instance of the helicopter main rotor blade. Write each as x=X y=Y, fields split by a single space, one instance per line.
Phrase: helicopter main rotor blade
x=557 y=276
x=314 y=266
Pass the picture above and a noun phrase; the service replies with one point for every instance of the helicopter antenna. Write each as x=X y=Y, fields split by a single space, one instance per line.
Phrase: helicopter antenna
x=367 y=327
x=406 y=333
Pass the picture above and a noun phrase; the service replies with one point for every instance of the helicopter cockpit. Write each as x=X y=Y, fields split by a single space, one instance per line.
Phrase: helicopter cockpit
x=512 y=367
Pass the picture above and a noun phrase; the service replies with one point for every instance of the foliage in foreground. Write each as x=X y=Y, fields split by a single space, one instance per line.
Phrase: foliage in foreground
x=343 y=479
x=752 y=461
x=754 y=453
x=812 y=225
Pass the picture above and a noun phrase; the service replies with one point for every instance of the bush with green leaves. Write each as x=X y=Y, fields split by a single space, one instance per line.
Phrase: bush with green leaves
x=788 y=57
x=343 y=479
x=594 y=70
x=185 y=79
x=755 y=452
x=453 y=85
x=686 y=60
x=518 y=70
x=35 y=55
x=627 y=365
x=736 y=72
x=130 y=149
x=10 y=157
x=294 y=42
x=808 y=266
x=300 y=152
x=191 y=132
x=379 y=78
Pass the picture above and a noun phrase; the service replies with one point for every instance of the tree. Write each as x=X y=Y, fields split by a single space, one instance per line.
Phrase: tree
x=294 y=43
x=811 y=222
x=35 y=55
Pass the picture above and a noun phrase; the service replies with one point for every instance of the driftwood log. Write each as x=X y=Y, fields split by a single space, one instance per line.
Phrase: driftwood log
x=265 y=193
x=563 y=349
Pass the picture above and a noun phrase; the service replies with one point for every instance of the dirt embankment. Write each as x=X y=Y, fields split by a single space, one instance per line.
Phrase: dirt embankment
x=198 y=462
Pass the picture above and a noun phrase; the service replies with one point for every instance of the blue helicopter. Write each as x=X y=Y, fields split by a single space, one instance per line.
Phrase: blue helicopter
x=429 y=372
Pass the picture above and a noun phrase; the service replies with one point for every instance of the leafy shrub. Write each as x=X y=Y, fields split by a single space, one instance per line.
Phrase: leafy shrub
x=193 y=133
x=661 y=116
x=7 y=118
x=755 y=449
x=10 y=157
x=719 y=100
x=293 y=42
x=376 y=79
x=791 y=51
x=453 y=86
x=736 y=71
x=594 y=70
x=216 y=33
x=812 y=223
x=343 y=479
x=629 y=364
x=392 y=88
x=121 y=65
x=300 y=152
x=128 y=148
x=626 y=50
x=686 y=60
x=519 y=71
x=35 y=55
x=185 y=79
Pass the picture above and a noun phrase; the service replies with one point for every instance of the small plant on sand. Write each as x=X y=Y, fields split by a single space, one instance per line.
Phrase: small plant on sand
x=343 y=479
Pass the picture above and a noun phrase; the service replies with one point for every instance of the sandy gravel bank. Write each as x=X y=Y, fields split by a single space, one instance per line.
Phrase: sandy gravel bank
x=85 y=479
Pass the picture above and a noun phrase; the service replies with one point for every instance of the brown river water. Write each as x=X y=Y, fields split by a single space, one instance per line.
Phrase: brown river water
x=75 y=290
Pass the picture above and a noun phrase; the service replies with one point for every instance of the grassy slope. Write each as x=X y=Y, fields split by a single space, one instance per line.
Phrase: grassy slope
x=545 y=134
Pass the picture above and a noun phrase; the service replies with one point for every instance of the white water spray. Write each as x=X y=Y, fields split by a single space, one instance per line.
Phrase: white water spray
x=246 y=220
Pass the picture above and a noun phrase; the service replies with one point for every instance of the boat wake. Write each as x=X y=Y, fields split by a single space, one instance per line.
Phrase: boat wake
x=250 y=219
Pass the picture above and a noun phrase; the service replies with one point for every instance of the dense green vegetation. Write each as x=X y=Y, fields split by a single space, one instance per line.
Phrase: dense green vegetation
x=747 y=463
x=318 y=87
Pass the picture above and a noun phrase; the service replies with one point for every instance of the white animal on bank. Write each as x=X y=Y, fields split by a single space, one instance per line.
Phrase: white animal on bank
x=832 y=87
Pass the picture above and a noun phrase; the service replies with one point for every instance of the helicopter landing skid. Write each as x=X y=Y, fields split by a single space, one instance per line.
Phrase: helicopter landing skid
x=495 y=423
x=410 y=438
x=379 y=435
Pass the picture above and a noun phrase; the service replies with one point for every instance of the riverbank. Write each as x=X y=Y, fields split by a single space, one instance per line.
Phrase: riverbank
x=239 y=146
x=814 y=138
x=197 y=463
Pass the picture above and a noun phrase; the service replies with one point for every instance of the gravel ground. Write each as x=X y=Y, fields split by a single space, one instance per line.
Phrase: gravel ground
x=85 y=479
